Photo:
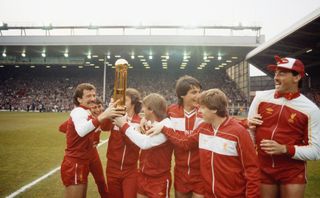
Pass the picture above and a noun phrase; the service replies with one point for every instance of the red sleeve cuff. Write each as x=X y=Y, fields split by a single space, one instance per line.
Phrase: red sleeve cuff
x=62 y=129
x=124 y=128
x=291 y=150
x=95 y=122
x=165 y=130
x=106 y=125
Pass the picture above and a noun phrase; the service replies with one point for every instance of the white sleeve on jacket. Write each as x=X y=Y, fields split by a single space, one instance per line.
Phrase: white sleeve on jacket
x=253 y=110
x=80 y=120
x=312 y=150
x=143 y=141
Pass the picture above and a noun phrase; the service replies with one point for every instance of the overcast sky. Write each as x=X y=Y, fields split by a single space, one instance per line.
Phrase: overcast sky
x=274 y=16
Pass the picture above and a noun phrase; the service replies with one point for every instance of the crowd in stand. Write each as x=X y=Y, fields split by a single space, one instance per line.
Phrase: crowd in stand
x=52 y=94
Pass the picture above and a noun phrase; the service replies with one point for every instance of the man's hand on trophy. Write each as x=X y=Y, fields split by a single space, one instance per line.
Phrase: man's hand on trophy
x=120 y=121
x=112 y=111
x=118 y=108
x=111 y=102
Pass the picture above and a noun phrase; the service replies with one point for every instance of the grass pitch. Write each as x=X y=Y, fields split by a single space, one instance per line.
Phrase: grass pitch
x=31 y=146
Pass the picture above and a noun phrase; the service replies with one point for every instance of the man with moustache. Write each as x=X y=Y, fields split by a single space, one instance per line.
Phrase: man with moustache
x=286 y=127
x=80 y=129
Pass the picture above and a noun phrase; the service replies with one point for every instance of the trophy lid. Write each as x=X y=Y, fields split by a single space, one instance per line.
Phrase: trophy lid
x=121 y=62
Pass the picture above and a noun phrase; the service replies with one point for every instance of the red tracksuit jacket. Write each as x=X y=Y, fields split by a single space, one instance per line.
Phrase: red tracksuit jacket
x=79 y=147
x=187 y=162
x=295 y=123
x=122 y=154
x=228 y=160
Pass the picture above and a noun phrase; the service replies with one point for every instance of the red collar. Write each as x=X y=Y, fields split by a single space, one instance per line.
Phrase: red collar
x=288 y=96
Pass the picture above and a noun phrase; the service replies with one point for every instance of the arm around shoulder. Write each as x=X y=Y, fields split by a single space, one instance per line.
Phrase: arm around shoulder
x=141 y=140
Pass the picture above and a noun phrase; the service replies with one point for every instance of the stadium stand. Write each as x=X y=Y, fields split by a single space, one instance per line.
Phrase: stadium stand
x=51 y=90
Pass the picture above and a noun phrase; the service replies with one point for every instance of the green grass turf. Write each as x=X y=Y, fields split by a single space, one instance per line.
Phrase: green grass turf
x=31 y=146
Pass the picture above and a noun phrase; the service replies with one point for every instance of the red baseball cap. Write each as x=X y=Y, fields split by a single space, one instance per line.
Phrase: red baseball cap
x=288 y=64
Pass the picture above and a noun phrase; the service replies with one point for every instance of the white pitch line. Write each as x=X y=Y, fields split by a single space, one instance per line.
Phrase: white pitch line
x=24 y=188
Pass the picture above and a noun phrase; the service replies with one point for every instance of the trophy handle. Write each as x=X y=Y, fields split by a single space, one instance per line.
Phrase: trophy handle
x=120 y=81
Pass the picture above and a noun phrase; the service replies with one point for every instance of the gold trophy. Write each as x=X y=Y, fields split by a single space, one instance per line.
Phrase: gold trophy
x=120 y=81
